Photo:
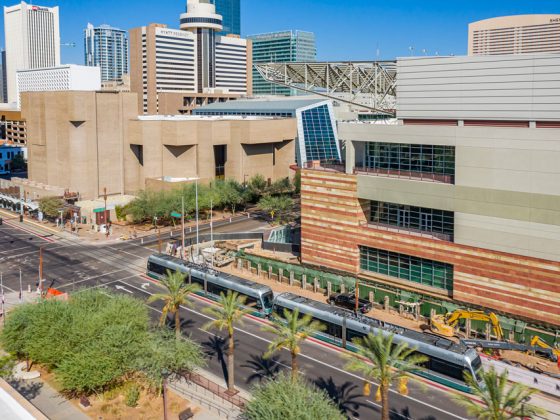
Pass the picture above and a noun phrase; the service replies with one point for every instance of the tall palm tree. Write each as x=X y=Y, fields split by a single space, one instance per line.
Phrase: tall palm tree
x=290 y=332
x=177 y=292
x=230 y=311
x=498 y=401
x=378 y=359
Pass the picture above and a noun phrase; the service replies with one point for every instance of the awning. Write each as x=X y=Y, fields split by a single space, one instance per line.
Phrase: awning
x=8 y=198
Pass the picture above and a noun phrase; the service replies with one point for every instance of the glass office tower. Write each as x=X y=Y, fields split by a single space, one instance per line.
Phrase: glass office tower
x=280 y=47
x=231 y=13
x=106 y=47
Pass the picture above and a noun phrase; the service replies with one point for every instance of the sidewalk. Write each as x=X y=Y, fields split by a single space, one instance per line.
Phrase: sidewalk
x=48 y=401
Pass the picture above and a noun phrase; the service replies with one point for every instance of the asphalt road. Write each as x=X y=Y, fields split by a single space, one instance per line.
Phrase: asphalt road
x=71 y=265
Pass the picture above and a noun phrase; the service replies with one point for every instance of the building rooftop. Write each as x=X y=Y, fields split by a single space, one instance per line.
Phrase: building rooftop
x=286 y=105
x=203 y=118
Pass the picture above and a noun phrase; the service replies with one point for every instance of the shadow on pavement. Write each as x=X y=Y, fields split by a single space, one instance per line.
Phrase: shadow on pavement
x=29 y=390
x=262 y=368
x=345 y=396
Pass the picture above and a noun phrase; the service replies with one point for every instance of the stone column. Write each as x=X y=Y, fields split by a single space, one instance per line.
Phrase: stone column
x=259 y=268
x=371 y=297
x=291 y=278
x=329 y=288
x=304 y=282
x=386 y=303
x=315 y=285
x=280 y=275
x=270 y=272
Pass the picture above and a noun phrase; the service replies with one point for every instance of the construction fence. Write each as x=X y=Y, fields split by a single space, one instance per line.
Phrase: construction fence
x=382 y=295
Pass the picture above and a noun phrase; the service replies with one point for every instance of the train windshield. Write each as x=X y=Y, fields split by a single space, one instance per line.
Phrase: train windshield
x=267 y=300
x=477 y=368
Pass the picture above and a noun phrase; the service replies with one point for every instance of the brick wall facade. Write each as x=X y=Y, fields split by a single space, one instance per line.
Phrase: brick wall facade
x=334 y=225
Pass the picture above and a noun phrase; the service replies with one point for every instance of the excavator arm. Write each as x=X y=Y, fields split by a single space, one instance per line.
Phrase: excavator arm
x=446 y=324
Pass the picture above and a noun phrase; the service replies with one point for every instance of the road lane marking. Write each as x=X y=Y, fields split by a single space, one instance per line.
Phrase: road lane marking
x=311 y=358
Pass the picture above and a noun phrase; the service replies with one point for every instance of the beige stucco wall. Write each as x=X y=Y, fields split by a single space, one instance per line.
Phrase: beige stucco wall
x=506 y=195
x=69 y=147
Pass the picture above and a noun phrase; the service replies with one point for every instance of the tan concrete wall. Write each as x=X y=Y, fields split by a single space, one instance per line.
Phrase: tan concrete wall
x=78 y=139
x=506 y=195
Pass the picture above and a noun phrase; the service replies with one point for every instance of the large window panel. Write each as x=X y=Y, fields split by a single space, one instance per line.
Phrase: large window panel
x=418 y=270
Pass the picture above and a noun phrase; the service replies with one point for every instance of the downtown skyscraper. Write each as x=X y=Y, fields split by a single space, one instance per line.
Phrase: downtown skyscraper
x=230 y=10
x=106 y=47
x=32 y=37
x=280 y=47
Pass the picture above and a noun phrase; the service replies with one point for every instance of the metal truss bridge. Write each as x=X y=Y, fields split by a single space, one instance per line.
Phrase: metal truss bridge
x=366 y=84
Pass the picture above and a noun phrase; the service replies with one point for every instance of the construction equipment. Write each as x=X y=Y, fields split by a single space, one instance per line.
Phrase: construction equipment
x=536 y=341
x=446 y=324
x=547 y=352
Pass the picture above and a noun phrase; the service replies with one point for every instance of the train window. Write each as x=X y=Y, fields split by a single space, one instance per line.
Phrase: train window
x=198 y=280
x=446 y=368
x=216 y=289
x=351 y=334
x=156 y=268
x=253 y=302
x=333 y=330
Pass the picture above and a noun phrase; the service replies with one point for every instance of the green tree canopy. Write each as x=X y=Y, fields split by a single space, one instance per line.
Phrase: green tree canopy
x=281 y=399
x=500 y=401
x=50 y=206
x=92 y=341
x=278 y=207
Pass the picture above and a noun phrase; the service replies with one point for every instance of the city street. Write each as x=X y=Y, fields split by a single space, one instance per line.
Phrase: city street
x=69 y=265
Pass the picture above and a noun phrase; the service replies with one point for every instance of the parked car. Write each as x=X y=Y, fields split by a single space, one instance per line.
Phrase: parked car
x=348 y=301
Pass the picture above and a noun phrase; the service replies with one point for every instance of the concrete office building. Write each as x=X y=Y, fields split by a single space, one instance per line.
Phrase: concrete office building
x=521 y=34
x=280 y=47
x=461 y=200
x=12 y=125
x=67 y=77
x=317 y=133
x=230 y=10
x=175 y=70
x=106 y=47
x=3 y=78
x=87 y=141
x=32 y=40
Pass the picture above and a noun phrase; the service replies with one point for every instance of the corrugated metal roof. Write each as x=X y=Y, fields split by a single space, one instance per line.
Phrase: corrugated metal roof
x=288 y=105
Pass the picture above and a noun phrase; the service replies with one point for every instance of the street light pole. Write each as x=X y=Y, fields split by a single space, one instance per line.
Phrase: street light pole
x=196 y=194
x=41 y=271
x=182 y=227
x=357 y=295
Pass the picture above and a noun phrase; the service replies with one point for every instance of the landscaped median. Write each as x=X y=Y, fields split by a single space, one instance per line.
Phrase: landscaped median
x=100 y=350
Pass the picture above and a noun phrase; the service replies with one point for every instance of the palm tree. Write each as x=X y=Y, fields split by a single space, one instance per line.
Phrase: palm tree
x=177 y=292
x=290 y=332
x=498 y=402
x=378 y=359
x=230 y=311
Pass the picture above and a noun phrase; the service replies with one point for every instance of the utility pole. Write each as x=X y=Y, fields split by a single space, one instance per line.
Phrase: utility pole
x=21 y=205
x=182 y=227
x=196 y=194
x=105 y=207
x=357 y=293
x=212 y=230
x=41 y=271
x=2 y=291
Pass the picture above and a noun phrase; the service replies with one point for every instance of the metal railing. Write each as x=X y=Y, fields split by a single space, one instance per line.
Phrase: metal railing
x=397 y=173
x=409 y=231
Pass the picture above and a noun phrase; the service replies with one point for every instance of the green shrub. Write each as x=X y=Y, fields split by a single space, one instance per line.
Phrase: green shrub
x=132 y=396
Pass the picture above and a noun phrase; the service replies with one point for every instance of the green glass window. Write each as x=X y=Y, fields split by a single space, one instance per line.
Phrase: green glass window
x=432 y=221
x=418 y=270
x=414 y=160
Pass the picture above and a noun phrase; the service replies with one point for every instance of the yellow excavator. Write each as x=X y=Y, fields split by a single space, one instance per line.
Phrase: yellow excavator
x=536 y=341
x=445 y=324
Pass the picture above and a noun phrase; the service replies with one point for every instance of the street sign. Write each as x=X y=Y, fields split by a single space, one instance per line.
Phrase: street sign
x=100 y=210
x=175 y=214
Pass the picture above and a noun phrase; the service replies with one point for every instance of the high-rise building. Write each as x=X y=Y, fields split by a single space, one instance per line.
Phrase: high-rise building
x=3 y=79
x=32 y=39
x=168 y=62
x=519 y=34
x=106 y=47
x=280 y=47
x=231 y=14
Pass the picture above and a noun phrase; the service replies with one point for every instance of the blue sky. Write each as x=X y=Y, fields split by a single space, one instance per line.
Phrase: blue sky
x=345 y=29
